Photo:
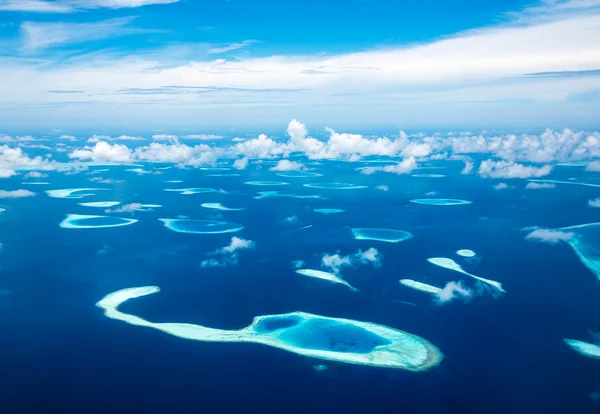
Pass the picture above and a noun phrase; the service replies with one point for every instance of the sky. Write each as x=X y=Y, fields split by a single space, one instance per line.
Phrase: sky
x=222 y=65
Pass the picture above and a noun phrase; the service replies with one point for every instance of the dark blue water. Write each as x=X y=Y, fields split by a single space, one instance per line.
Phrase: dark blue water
x=59 y=353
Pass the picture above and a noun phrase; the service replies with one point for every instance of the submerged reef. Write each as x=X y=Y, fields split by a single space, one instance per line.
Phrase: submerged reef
x=265 y=183
x=585 y=242
x=314 y=336
x=329 y=210
x=298 y=174
x=335 y=186
x=440 y=201
x=384 y=235
x=190 y=191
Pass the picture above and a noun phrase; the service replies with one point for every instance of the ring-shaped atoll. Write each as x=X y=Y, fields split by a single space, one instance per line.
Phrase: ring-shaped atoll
x=81 y=221
x=314 y=336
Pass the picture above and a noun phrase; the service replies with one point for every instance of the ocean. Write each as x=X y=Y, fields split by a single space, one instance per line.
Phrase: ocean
x=502 y=353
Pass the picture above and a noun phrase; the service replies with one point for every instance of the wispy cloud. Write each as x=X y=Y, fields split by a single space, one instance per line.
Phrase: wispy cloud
x=216 y=49
x=70 y=6
x=37 y=36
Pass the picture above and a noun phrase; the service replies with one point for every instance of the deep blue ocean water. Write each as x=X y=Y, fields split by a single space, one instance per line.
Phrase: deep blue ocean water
x=59 y=353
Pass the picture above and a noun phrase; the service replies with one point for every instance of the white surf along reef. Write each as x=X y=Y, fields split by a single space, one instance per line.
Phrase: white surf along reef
x=452 y=265
x=315 y=336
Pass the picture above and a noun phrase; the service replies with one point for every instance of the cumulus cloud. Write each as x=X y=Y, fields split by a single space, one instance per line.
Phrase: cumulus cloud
x=593 y=166
x=508 y=169
x=382 y=188
x=335 y=262
x=228 y=255
x=287 y=165
x=220 y=262
x=104 y=152
x=35 y=174
x=453 y=290
x=240 y=164
x=468 y=168
x=539 y=186
x=126 y=208
x=291 y=219
x=14 y=158
x=105 y=180
x=16 y=194
x=404 y=167
x=501 y=186
x=594 y=203
x=237 y=244
x=549 y=236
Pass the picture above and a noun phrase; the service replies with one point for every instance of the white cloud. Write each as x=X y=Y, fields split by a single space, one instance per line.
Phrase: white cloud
x=549 y=236
x=497 y=61
x=230 y=47
x=104 y=152
x=35 y=174
x=165 y=137
x=453 y=290
x=382 y=188
x=126 y=208
x=594 y=203
x=287 y=165
x=539 y=186
x=69 y=6
x=13 y=158
x=220 y=262
x=291 y=219
x=105 y=180
x=335 y=262
x=238 y=244
x=240 y=163
x=403 y=167
x=38 y=36
x=16 y=194
x=507 y=169
x=593 y=166
x=68 y=137
x=468 y=167
x=501 y=186
x=203 y=137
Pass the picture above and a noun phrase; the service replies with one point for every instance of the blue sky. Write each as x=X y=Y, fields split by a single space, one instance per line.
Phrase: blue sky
x=369 y=64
